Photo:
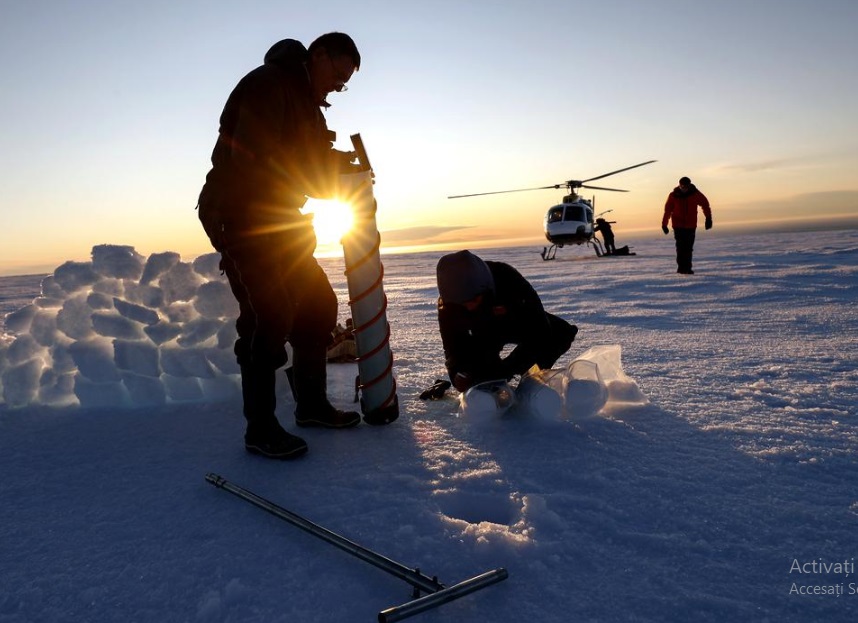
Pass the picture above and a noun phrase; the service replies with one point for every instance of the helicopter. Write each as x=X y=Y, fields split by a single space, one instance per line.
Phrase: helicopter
x=573 y=220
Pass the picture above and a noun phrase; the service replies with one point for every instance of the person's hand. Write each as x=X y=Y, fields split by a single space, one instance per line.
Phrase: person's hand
x=665 y=229
x=708 y=224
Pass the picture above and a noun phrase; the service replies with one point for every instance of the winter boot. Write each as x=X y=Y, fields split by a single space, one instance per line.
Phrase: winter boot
x=264 y=435
x=310 y=377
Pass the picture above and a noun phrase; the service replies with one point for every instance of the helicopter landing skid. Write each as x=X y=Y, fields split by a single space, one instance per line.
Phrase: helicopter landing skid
x=549 y=253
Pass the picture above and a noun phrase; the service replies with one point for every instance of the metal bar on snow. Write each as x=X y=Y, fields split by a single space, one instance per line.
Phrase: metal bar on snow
x=433 y=600
x=412 y=576
x=437 y=595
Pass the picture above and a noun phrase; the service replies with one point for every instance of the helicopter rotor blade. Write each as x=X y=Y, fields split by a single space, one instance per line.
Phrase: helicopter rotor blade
x=634 y=166
x=616 y=190
x=498 y=192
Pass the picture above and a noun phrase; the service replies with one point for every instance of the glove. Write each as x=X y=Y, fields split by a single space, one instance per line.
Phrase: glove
x=665 y=229
x=436 y=391
x=708 y=223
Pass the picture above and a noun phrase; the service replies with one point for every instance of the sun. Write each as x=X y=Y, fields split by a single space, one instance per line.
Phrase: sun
x=331 y=219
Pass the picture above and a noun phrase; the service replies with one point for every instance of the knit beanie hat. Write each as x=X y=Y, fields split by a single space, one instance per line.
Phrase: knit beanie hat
x=463 y=276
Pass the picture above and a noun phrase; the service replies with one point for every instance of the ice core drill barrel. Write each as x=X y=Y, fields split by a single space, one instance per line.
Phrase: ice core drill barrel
x=364 y=274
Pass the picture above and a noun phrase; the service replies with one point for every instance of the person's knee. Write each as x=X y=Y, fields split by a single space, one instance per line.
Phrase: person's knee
x=261 y=350
x=316 y=319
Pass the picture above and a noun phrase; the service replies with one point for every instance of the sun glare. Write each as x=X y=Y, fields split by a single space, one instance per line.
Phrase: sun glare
x=331 y=220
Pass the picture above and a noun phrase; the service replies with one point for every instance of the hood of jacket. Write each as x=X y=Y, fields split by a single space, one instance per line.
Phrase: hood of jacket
x=685 y=193
x=287 y=52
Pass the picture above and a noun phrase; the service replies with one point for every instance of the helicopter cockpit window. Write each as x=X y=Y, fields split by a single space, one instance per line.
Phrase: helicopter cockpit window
x=575 y=213
x=555 y=214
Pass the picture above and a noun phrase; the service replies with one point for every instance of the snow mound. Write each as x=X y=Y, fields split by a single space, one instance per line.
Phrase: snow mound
x=121 y=330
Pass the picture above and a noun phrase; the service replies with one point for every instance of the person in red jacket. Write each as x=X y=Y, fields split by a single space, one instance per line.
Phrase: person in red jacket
x=681 y=210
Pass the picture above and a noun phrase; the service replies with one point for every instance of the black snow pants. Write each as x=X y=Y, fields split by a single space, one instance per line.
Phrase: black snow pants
x=684 y=248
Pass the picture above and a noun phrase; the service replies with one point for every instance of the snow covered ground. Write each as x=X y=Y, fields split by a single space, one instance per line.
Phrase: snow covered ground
x=730 y=495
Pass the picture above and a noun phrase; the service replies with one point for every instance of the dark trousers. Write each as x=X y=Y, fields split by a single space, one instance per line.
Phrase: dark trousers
x=609 y=244
x=283 y=296
x=684 y=248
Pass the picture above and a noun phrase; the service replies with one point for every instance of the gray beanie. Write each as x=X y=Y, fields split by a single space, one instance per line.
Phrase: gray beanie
x=463 y=276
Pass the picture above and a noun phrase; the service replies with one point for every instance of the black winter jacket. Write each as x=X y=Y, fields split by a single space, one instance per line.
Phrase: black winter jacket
x=473 y=340
x=274 y=148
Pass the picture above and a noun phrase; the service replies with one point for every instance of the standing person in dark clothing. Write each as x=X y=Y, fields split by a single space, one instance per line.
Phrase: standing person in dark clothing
x=273 y=151
x=681 y=210
x=484 y=306
x=604 y=227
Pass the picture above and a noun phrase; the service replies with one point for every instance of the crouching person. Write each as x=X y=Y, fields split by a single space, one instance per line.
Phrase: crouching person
x=483 y=307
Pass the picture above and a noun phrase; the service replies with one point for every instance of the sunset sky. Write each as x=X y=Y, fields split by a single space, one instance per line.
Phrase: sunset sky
x=109 y=111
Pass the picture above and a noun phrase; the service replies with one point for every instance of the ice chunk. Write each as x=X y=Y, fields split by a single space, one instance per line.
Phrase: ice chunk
x=198 y=331
x=186 y=362
x=119 y=261
x=51 y=289
x=110 y=286
x=157 y=264
x=146 y=295
x=21 y=382
x=182 y=389
x=539 y=394
x=584 y=390
x=138 y=313
x=215 y=300
x=222 y=388
x=139 y=357
x=182 y=311
x=180 y=283
x=144 y=390
x=73 y=276
x=227 y=335
x=44 y=327
x=94 y=359
x=23 y=348
x=46 y=302
x=208 y=266
x=113 y=325
x=163 y=331
x=223 y=359
x=92 y=394
x=99 y=300
x=74 y=319
x=621 y=387
x=61 y=358
x=487 y=400
x=19 y=321
x=56 y=389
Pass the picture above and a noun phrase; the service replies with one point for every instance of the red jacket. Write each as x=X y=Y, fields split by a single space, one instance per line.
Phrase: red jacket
x=681 y=208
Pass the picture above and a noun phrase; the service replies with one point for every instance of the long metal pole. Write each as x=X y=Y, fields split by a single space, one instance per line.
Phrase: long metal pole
x=412 y=576
x=438 y=594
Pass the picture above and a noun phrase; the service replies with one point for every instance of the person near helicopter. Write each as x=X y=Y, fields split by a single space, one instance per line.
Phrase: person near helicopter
x=681 y=210
x=484 y=306
x=604 y=228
